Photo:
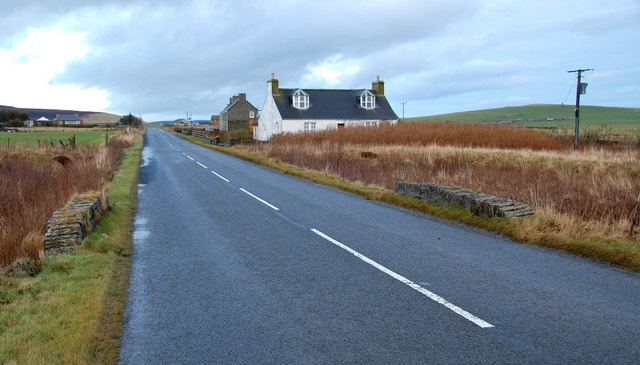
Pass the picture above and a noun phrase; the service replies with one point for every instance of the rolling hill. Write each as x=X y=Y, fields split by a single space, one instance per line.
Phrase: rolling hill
x=87 y=116
x=545 y=115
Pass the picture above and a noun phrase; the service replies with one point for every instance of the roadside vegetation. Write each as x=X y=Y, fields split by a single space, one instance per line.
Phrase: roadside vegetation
x=55 y=137
x=583 y=200
x=66 y=308
x=35 y=181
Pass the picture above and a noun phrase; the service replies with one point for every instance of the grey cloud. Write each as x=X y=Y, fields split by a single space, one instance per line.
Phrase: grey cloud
x=192 y=55
x=16 y=15
x=168 y=56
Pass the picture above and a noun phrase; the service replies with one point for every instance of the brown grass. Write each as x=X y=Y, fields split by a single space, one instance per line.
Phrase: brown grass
x=424 y=134
x=36 y=181
x=33 y=246
x=587 y=195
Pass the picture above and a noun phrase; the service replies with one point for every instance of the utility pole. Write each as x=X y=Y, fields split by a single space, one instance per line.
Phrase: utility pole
x=581 y=88
x=403 y=103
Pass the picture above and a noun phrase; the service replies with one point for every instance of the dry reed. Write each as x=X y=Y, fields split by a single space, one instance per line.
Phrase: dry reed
x=585 y=194
x=458 y=134
x=33 y=185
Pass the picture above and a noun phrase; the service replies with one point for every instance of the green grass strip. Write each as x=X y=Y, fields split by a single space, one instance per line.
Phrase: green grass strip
x=44 y=138
x=72 y=312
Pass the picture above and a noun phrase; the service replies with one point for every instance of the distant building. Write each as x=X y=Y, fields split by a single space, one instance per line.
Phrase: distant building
x=238 y=115
x=43 y=121
x=309 y=110
x=215 y=121
x=48 y=117
x=68 y=119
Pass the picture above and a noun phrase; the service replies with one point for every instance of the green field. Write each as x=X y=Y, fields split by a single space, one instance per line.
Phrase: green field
x=83 y=137
x=590 y=116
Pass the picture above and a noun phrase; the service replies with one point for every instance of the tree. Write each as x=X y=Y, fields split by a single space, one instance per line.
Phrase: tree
x=131 y=120
x=13 y=118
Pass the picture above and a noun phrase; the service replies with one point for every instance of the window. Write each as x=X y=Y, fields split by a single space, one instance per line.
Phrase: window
x=370 y=123
x=367 y=99
x=300 y=99
x=252 y=114
x=309 y=126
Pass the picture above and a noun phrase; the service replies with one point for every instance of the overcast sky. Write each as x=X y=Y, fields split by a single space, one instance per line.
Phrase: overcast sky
x=162 y=58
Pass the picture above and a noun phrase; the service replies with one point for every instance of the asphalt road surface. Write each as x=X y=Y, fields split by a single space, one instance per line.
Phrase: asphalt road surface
x=237 y=264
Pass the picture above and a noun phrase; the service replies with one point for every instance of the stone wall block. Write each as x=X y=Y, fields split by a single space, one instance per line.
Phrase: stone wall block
x=69 y=226
x=479 y=204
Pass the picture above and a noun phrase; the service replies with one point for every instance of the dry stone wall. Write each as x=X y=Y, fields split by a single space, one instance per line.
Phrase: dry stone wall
x=479 y=204
x=71 y=224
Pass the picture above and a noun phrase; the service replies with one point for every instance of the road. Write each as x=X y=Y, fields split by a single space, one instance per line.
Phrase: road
x=237 y=264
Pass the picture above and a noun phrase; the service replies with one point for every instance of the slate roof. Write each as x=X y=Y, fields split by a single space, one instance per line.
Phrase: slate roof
x=47 y=113
x=229 y=107
x=332 y=104
x=68 y=117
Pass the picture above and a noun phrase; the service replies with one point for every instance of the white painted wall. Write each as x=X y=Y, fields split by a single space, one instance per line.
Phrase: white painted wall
x=269 y=120
x=270 y=123
x=297 y=125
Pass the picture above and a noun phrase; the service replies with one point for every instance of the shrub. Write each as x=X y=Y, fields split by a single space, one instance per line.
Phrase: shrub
x=590 y=192
x=36 y=181
x=424 y=134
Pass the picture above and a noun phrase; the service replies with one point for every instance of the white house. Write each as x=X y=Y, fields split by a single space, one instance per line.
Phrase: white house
x=68 y=119
x=308 y=110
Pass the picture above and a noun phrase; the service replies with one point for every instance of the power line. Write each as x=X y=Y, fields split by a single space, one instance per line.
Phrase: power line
x=567 y=96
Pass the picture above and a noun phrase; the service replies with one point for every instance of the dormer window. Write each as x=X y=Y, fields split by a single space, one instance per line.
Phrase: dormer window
x=367 y=99
x=300 y=99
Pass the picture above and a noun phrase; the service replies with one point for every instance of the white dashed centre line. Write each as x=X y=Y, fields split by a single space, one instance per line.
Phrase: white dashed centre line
x=190 y=158
x=220 y=176
x=202 y=165
x=260 y=200
x=436 y=298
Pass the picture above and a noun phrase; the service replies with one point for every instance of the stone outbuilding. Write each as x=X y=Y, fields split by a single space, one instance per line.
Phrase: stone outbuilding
x=239 y=115
x=215 y=122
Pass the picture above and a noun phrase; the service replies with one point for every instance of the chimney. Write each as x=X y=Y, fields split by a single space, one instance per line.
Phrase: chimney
x=274 y=87
x=378 y=86
x=242 y=96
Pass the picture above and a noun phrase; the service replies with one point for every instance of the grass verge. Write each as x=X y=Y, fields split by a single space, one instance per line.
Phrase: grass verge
x=72 y=311
x=46 y=138
x=618 y=252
